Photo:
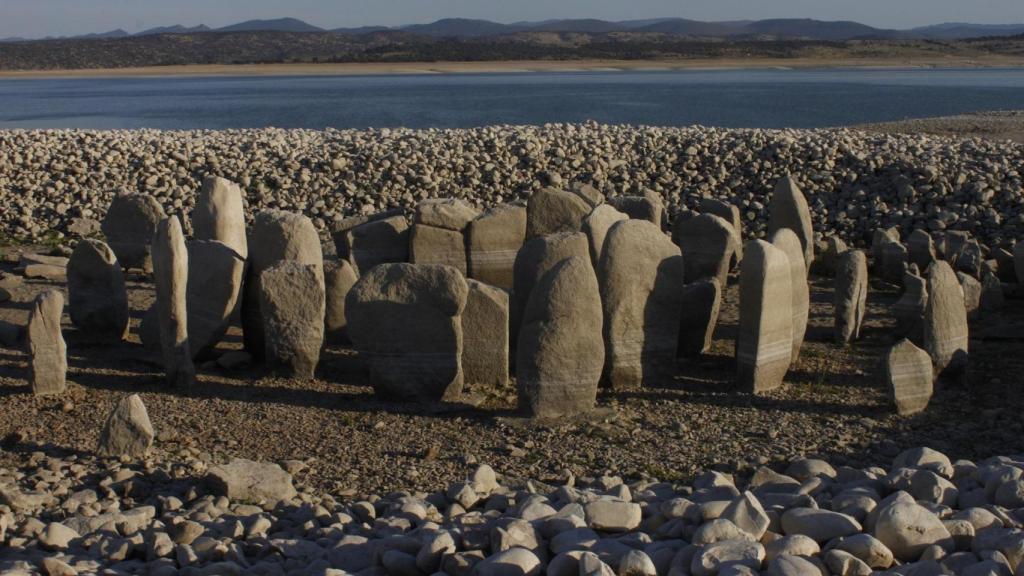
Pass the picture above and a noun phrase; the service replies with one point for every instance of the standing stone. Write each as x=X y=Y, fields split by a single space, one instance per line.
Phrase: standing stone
x=220 y=215
x=970 y=258
x=641 y=278
x=97 y=298
x=596 y=226
x=170 y=274
x=765 y=341
x=560 y=352
x=789 y=209
x=827 y=262
x=276 y=236
x=648 y=207
x=707 y=243
x=992 y=297
x=535 y=258
x=591 y=195
x=292 y=305
x=945 y=320
x=908 y=373
x=129 y=226
x=448 y=213
x=851 y=294
x=48 y=355
x=127 y=431
x=701 y=302
x=786 y=240
x=378 y=242
x=921 y=249
x=213 y=294
x=891 y=262
x=882 y=236
x=339 y=278
x=731 y=213
x=972 y=294
x=550 y=211
x=485 y=336
x=493 y=239
x=433 y=245
x=909 y=309
x=341 y=228
x=405 y=320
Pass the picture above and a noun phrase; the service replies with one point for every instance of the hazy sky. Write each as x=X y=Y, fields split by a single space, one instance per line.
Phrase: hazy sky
x=35 y=18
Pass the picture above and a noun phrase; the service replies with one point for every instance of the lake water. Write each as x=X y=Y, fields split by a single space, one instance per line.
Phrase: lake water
x=728 y=98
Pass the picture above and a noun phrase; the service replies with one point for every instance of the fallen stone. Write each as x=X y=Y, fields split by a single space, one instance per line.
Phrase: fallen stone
x=248 y=481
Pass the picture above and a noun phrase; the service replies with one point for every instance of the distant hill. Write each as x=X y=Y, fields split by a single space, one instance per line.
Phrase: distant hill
x=959 y=30
x=176 y=29
x=684 y=27
x=278 y=25
x=119 y=33
x=814 y=29
x=461 y=28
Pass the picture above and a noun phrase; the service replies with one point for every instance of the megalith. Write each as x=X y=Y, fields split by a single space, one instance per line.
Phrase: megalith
x=339 y=278
x=550 y=211
x=220 y=215
x=786 y=240
x=764 y=343
x=788 y=209
x=493 y=239
x=701 y=303
x=292 y=307
x=47 y=353
x=707 y=243
x=485 y=336
x=213 y=294
x=908 y=374
x=129 y=226
x=945 y=320
x=97 y=297
x=170 y=274
x=850 y=296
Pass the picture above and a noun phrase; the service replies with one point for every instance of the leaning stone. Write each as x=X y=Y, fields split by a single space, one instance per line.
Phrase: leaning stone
x=550 y=211
x=378 y=242
x=920 y=249
x=48 y=355
x=731 y=213
x=640 y=276
x=945 y=320
x=972 y=294
x=701 y=303
x=46 y=272
x=493 y=239
x=433 y=245
x=170 y=274
x=276 y=236
x=213 y=294
x=292 y=305
x=908 y=374
x=485 y=336
x=909 y=309
x=765 y=341
x=560 y=351
x=786 y=240
x=448 y=213
x=243 y=480
x=339 y=278
x=851 y=293
x=707 y=243
x=97 y=298
x=596 y=226
x=128 y=431
x=788 y=209
x=220 y=215
x=405 y=320
x=129 y=227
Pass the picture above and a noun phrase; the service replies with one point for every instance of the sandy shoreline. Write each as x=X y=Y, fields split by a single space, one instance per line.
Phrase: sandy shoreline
x=520 y=66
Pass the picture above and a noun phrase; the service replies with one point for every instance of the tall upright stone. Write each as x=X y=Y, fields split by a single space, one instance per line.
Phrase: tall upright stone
x=707 y=243
x=97 y=297
x=945 y=320
x=701 y=303
x=596 y=226
x=851 y=294
x=786 y=240
x=550 y=211
x=788 y=209
x=435 y=245
x=220 y=214
x=493 y=239
x=378 y=242
x=920 y=248
x=170 y=274
x=213 y=294
x=48 y=355
x=339 y=278
x=882 y=236
x=972 y=294
x=970 y=258
x=827 y=261
x=276 y=236
x=405 y=320
x=129 y=227
x=908 y=374
x=485 y=336
x=891 y=262
x=561 y=353
x=641 y=279
x=448 y=213
x=731 y=213
x=764 y=344
x=292 y=306
x=909 y=309
x=535 y=258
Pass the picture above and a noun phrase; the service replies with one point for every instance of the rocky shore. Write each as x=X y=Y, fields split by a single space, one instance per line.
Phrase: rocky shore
x=855 y=181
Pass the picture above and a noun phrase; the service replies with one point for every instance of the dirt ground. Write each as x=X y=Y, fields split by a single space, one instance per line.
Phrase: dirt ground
x=833 y=404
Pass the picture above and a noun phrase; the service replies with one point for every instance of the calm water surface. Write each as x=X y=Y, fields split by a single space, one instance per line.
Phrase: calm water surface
x=733 y=98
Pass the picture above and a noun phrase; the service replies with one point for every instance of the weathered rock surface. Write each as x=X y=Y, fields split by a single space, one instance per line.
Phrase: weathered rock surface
x=945 y=321
x=699 y=316
x=908 y=373
x=493 y=239
x=909 y=309
x=640 y=277
x=550 y=211
x=170 y=273
x=47 y=352
x=485 y=336
x=214 y=293
x=129 y=227
x=731 y=213
x=339 y=278
x=765 y=341
x=292 y=305
x=249 y=481
x=561 y=353
x=128 y=431
x=378 y=242
x=596 y=226
x=97 y=298
x=851 y=293
x=535 y=258
x=220 y=215
x=434 y=245
x=405 y=320
x=788 y=209
x=786 y=240
x=707 y=243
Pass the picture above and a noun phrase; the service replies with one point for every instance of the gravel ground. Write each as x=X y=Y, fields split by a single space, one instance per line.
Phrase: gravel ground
x=1001 y=125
